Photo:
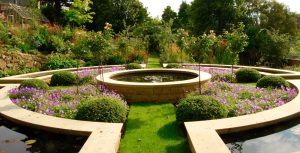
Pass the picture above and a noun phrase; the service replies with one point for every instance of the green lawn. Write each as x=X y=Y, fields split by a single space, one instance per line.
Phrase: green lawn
x=153 y=62
x=152 y=128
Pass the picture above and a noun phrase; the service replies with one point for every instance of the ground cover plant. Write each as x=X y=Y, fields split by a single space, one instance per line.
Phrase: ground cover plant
x=245 y=98
x=63 y=101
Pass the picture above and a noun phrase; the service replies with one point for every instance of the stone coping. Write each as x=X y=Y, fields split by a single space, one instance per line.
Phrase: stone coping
x=261 y=69
x=107 y=77
x=203 y=136
x=47 y=74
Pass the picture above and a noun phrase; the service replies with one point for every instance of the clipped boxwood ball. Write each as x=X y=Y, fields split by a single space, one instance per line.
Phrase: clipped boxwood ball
x=272 y=81
x=133 y=66
x=246 y=75
x=34 y=83
x=104 y=109
x=63 y=78
x=200 y=107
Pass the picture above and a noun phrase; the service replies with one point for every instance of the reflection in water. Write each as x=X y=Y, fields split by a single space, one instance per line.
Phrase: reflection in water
x=285 y=141
x=13 y=140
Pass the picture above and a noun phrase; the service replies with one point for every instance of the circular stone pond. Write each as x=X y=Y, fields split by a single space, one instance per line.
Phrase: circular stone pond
x=153 y=85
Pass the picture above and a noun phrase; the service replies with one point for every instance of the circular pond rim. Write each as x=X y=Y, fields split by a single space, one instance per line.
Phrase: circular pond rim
x=108 y=77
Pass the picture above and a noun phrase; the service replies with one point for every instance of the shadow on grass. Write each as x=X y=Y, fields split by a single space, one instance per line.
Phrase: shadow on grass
x=171 y=131
x=182 y=147
x=133 y=124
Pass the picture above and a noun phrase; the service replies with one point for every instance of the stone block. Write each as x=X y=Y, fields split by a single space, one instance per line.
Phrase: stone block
x=2 y=64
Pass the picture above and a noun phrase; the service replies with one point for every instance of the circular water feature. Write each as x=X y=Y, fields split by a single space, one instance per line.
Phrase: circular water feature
x=153 y=85
x=155 y=77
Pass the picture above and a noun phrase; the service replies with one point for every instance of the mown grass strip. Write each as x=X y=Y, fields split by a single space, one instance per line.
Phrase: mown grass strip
x=153 y=62
x=152 y=128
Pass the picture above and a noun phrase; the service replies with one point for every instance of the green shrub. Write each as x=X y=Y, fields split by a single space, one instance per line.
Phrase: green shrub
x=85 y=80
x=8 y=72
x=63 y=78
x=34 y=83
x=199 y=107
x=247 y=75
x=104 y=109
x=60 y=61
x=271 y=81
x=173 y=65
x=133 y=66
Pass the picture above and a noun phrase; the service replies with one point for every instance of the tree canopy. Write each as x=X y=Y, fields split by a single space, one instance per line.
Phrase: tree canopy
x=120 y=13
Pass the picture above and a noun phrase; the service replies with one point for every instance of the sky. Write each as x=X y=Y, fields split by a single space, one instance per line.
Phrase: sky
x=156 y=7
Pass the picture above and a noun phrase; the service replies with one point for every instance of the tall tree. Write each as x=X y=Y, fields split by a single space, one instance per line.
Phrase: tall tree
x=52 y=9
x=120 y=13
x=184 y=15
x=168 y=14
x=213 y=15
x=274 y=15
x=78 y=13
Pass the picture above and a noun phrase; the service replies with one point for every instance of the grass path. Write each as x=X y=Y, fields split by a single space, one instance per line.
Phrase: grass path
x=153 y=62
x=152 y=128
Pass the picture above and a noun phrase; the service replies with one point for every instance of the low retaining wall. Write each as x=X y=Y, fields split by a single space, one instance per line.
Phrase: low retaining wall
x=153 y=92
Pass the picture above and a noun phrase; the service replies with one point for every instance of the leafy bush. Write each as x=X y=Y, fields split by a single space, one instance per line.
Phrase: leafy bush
x=199 y=107
x=85 y=80
x=8 y=72
x=63 y=78
x=104 y=109
x=271 y=81
x=174 y=65
x=34 y=83
x=247 y=75
x=60 y=61
x=133 y=66
x=58 y=44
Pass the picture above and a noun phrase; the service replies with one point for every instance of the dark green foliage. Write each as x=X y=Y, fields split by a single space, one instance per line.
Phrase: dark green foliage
x=119 y=13
x=184 y=15
x=34 y=83
x=63 y=78
x=133 y=66
x=247 y=75
x=199 y=107
x=272 y=81
x=266 y=47
x=174 y=65
x=104 y=109
x=213 y=15
x=85 y=80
